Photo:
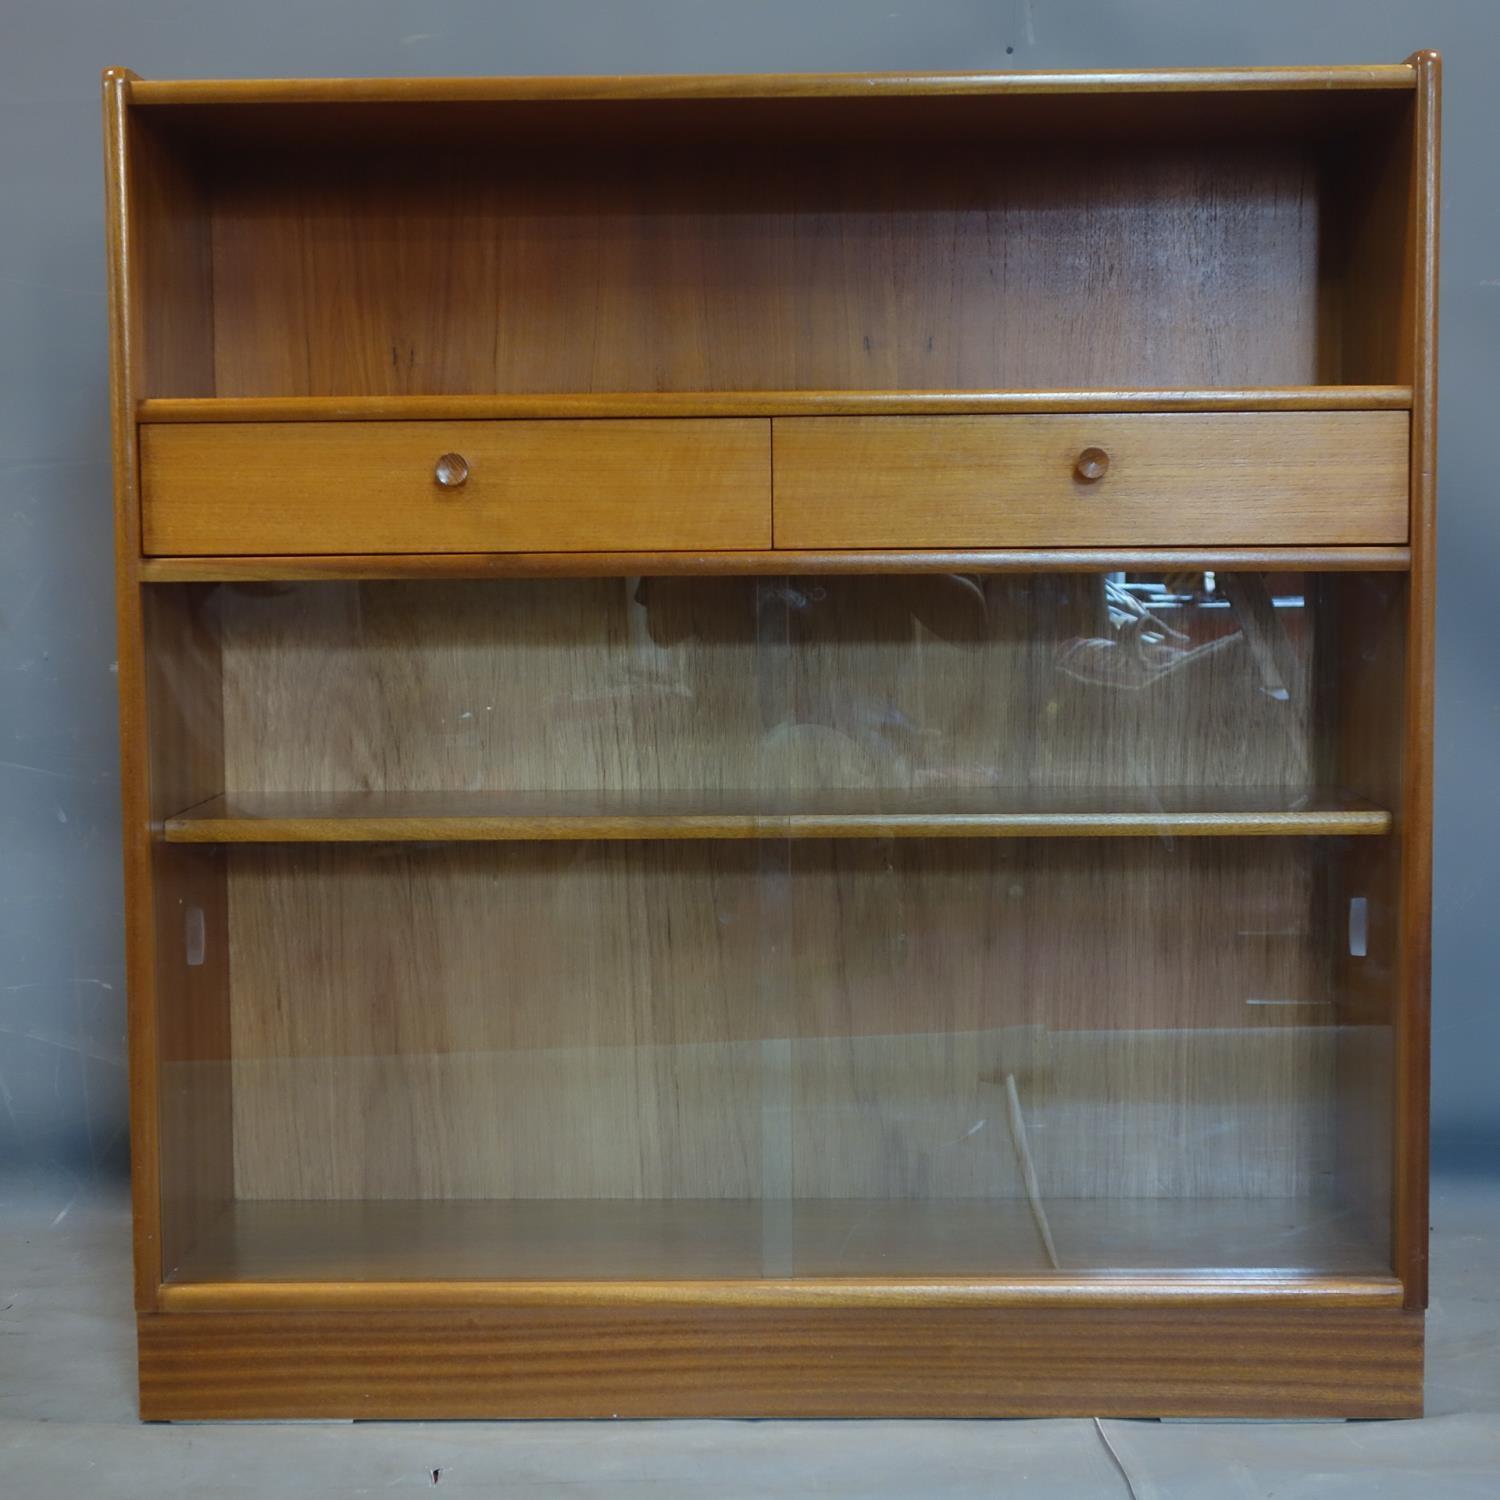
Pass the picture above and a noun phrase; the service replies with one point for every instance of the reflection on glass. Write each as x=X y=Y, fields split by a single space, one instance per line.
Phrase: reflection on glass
x=785 y=1053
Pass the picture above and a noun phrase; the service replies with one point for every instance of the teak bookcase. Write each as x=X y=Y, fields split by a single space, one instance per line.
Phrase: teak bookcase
x=776 y=741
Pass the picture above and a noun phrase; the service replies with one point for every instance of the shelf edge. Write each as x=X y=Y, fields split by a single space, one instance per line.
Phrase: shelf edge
x=184 y=829
x=542 y=406
x=478 y=565
x=668 y=86
x=1010 y=1292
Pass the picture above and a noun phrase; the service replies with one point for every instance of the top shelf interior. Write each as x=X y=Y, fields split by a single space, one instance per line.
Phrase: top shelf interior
x=1166 y=233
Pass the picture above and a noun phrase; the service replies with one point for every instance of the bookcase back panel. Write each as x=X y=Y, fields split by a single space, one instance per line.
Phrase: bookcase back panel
x=884 y=265
x=768 y=686
x=821 y=1019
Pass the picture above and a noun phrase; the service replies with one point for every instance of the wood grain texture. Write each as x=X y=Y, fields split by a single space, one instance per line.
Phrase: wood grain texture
x=1244 y=479
x=472 y=565
x=546 y=486
x=762 y=86
x=1042 y=1289
x=739 y=685
x=1414 y=1023
x=1314 y=123
x=135 y=771
x=170 y=229
x=761 y=404
x=368 y=1253
x=1370 y=253
x=689 y=1036
x=372 y=817
x=656 y=974
x=733 y=1362
x=724 y=266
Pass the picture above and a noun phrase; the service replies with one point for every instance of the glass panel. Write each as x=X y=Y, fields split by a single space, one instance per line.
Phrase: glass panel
x=859 y=1029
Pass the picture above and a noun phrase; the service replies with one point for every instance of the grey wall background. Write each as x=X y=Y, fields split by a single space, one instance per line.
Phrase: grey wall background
x=62 y=1087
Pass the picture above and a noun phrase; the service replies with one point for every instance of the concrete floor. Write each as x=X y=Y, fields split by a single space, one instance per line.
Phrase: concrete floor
x=68 y=1426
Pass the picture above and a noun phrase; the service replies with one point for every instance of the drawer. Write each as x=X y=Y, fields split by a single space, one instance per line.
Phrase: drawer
x=531 y=486
x=1158 y=480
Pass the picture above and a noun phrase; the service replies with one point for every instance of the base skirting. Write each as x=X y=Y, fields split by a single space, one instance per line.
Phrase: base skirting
x=1200 y=1360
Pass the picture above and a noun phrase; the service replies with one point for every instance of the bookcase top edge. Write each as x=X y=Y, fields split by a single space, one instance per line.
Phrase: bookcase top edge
x=667 y=87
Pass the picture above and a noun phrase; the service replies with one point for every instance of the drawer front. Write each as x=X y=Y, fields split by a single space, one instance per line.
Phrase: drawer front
x=549 y=486
x=1242 y=479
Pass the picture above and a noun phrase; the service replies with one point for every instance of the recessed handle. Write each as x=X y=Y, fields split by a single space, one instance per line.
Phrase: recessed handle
x=451 y=470
x=1092 y=465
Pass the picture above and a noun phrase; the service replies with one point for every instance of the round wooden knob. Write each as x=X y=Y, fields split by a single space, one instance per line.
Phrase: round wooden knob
x=451 y=470
x=1092 y=465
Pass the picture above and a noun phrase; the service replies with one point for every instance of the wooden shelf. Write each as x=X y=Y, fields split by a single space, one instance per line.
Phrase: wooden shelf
x=259 y=1252
x=378 y=817
x=763 y=404
x=774 y=562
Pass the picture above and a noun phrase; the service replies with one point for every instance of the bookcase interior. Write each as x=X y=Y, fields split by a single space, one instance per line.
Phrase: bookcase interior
x=924 y=1049
x=943 y=243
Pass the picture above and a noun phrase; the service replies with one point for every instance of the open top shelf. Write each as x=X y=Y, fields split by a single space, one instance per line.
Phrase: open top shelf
x=791 y=245
x=481 y=816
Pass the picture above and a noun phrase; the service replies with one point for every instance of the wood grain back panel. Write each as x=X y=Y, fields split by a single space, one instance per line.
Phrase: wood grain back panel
x=739 y=685
x=759 y=1019
x=808 y=1020
x=716 y=922
x=794 y=265
x=667 y=1021
x=171 y=239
